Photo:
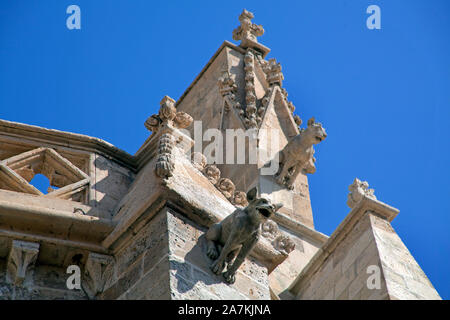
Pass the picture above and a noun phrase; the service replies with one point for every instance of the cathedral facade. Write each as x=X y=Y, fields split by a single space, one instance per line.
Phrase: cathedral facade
x=214 y=205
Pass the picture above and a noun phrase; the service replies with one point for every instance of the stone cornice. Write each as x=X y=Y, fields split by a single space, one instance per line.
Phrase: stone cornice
x=299 y=228
x=365 y=206
x=35 y=221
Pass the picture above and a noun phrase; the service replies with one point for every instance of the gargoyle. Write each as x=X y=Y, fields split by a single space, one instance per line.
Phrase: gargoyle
x=232 y=239
x=297 y=155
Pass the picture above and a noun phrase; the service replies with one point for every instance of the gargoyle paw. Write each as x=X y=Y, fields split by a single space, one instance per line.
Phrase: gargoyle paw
x=212 y=253
x=229 y=277
x=217 y=267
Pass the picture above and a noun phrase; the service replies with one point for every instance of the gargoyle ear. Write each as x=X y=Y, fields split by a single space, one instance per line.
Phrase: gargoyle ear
x=311 y=121
x=277 y=206
x=251 y=195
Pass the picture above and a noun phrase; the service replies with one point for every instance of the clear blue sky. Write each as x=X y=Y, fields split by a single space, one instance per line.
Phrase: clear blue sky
x=383 y=95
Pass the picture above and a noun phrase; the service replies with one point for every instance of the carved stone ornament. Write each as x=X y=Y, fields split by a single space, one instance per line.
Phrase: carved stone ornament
x=230 y=241
x=198 y=160
x=272 y=69
x=164 y=163
x=97 y=271
x=240 y=199
x=226 y=186
x=21 y=260
x=297 y=155
x=358 y=190
x=250 y=94
x=227 y=88
x=284 y=244
x=212 y=173
x=247 y=30
x=270 y=230
x=168 y=114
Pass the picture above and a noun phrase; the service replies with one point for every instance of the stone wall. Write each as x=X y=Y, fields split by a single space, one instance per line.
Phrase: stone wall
x=404 y=277
x=343 y=275
x=43 y=282
x=166 y=260
x=363 y=248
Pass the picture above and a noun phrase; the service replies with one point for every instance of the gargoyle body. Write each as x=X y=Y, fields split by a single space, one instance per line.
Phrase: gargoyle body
x=297 y=155
x=232 y=239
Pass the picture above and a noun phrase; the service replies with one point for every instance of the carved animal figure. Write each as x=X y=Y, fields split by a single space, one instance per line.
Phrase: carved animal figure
x=232 y=239
x=297 y=155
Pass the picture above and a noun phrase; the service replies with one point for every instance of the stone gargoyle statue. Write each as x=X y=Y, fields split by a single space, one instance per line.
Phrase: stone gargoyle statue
x=297 y=155
x=232 y=239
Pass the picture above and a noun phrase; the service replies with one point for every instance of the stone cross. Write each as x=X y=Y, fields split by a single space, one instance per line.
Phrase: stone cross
x=247 y=30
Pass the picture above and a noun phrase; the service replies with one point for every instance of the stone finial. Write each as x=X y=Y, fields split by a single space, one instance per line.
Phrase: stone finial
x=22 y=258
x=167 y=111
x=358 y=190
x=248 y=32
x=168 y=114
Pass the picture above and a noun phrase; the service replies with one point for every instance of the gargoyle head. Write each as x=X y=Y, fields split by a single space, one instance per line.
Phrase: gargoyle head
x=315 y=132
x=260 y=207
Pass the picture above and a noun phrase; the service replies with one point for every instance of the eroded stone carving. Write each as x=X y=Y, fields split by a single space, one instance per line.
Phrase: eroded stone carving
x=358 y=190
x=232 y=239
x=297 y=155
x=97 y=271
x=272 y=69
x=168 y=114
x=250 y=95
x=164 y=163
x=240 y=199
x=22 y=258
x=226 y=186
x=227 y=88
x=270 y=229
x=198 y=160
x=284 y=244
x=212 y=173
x=247 y=31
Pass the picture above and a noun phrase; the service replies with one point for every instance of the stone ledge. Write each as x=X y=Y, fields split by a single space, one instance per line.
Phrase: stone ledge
x=32 y=219
x=67 y=139
x=299 y=229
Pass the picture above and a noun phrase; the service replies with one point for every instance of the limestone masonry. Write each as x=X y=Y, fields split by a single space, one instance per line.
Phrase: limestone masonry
x=154 y=225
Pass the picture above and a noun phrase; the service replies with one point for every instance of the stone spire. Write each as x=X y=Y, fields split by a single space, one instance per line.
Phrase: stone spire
x=248 y=32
